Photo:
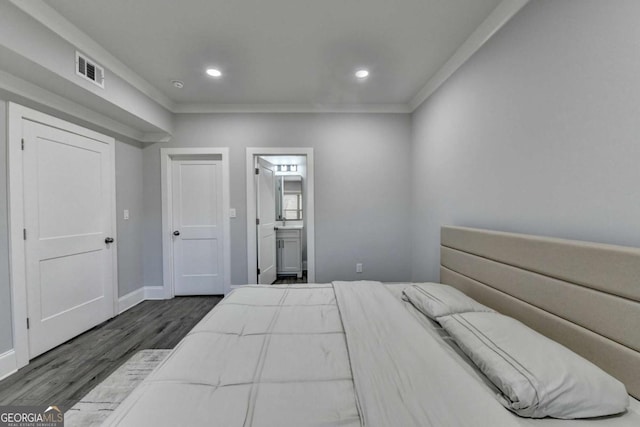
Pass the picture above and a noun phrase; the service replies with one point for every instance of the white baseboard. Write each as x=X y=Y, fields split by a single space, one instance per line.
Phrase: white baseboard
x=142 y=294
x=130 y=300
x=8 y=363
x=154 y=292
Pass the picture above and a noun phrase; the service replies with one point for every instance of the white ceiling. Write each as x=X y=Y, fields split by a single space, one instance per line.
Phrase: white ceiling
x=282 y=52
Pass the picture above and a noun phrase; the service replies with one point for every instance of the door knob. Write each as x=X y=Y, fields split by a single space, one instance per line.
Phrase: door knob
x=176 y=233
x=109 y=240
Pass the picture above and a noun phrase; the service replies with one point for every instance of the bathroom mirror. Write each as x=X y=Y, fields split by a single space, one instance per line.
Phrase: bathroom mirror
x=289 y=197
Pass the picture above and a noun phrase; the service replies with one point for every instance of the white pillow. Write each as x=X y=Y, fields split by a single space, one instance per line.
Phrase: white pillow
x=435 y=300
x=537 y=376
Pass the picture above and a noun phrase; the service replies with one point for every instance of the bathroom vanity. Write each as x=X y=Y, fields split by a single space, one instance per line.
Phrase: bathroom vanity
x=289 y=250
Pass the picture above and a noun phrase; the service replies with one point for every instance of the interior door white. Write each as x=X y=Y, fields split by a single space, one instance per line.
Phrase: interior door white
x=197 y=215
x=68 y=221
x=266 y=207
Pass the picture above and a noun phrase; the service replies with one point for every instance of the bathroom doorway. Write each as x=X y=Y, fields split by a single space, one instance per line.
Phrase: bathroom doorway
x=280 y=216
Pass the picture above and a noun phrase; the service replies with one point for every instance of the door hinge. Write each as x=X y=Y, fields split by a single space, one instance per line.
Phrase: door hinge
x=258 y=272
x=257 y=171
x=22 y=144
x=24 y=233
x=27 y=323
x=257 y=221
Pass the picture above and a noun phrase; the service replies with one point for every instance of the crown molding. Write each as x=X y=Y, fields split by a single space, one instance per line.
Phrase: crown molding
x=292 y=108
x=50 y=18
x=151 y=137
x=496 y=20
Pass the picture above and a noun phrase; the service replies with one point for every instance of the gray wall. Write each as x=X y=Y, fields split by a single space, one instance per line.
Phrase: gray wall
x=361 y=187
x=129 y=196
x=6 y=340
x=537 y=133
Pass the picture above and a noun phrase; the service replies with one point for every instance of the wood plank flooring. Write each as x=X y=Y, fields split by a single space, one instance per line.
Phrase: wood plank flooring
x=63 y=375
x=290 y=280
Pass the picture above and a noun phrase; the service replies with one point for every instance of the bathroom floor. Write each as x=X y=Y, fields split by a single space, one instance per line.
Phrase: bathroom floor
x=290 y=280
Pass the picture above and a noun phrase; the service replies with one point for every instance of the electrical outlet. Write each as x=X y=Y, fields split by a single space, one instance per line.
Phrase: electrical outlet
x=359 y=267
x=126 y=214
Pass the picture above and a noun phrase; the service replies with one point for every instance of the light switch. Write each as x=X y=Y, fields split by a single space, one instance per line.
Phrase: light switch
x=126 y=214
x=232 y=213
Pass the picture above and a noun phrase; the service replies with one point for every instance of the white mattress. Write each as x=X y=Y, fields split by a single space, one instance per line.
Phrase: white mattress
x=346 y=354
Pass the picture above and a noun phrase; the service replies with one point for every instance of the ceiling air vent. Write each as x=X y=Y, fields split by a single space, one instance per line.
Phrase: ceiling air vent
x=88 y=69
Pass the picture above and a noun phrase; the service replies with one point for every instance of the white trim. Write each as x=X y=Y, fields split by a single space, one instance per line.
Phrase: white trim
x=252 y=261
x=131 y=300
x=114 y=224
x=154 y=293
x=17 y=262
x=292 y=108
x=15 y=114
x=8 y=364
x=496 y=20
x=152 y=137
x=166 y=156
x=57 y=23
x=144 y=293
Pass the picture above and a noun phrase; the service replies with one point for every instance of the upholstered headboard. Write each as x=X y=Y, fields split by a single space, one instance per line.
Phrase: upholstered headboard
x=585 y=296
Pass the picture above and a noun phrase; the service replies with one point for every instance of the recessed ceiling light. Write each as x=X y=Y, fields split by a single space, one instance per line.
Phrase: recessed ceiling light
x=177 y=84
x=362 y=74
x=214 y=72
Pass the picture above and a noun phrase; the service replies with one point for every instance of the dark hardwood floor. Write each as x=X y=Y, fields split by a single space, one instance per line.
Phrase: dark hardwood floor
x=63 y=375
x=290 y=280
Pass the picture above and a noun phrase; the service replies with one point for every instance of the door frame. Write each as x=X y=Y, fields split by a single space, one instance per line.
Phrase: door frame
x=17 y=263
x=167 y=155
x=252 y=253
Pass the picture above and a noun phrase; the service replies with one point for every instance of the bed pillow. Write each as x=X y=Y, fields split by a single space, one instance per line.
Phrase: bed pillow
x=435 y=300
x=537 y=377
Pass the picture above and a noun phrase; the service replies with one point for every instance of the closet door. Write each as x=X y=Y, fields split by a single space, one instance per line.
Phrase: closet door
x=68 y=233
x=198 y=250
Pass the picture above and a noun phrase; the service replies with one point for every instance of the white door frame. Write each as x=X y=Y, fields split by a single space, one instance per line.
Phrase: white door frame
x=252 y=256
x=16 y=113
x=167 y=155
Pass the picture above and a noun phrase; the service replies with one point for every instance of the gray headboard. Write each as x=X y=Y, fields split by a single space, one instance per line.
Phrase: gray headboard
x=585 y=296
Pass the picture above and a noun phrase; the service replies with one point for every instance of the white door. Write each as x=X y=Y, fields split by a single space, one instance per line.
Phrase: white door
x=197 y=215
x=68 y=224
x=266 y=207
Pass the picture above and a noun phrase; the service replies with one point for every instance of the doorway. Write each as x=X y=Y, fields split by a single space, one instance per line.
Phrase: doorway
x=195 y=221
x=280 y=215
x=62 y=222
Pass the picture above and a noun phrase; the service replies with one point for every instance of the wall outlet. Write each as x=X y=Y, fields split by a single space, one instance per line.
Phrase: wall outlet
x=125 y=214
x=359 y=267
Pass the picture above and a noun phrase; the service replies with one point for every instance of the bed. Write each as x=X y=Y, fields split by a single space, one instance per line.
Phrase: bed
x=359 y=354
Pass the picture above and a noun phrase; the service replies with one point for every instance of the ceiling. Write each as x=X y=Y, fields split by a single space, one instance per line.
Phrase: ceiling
x=281 y=52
